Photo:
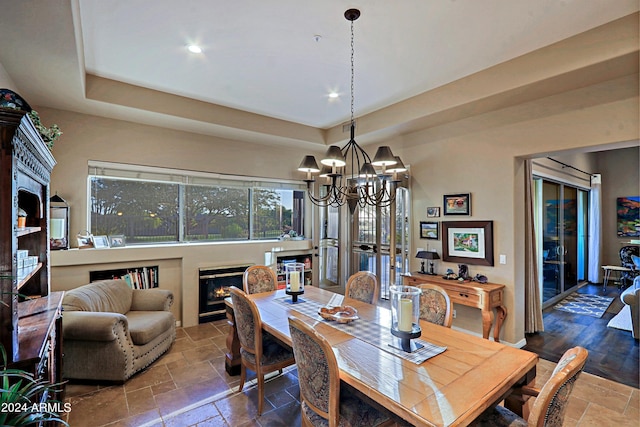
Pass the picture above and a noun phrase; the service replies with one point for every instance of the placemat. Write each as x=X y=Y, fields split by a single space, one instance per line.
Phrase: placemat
x=369 y=332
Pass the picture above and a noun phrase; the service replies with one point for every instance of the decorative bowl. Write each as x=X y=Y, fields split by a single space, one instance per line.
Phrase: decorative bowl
x=10 y=99
x=342 y=314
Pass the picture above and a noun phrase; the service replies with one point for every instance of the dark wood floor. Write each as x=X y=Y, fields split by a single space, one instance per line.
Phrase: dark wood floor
x=613 y=353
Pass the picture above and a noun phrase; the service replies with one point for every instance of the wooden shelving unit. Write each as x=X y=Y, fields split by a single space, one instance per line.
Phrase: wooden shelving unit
x=30 y=317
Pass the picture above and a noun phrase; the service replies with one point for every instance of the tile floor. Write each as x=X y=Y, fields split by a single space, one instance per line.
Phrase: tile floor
x=188 y=386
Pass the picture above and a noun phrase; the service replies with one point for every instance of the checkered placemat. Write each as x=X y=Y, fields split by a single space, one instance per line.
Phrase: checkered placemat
x=370 y=332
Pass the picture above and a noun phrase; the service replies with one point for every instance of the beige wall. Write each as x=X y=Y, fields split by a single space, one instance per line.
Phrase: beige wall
x=92 y=138
x=487 y=162
x=620 y=177
x=6 y=81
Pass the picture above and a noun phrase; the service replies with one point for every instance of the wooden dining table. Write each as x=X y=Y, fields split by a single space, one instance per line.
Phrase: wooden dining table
x=450 y=389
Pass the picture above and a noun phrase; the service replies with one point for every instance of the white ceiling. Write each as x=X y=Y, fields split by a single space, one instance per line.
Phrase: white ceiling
x=262 y=56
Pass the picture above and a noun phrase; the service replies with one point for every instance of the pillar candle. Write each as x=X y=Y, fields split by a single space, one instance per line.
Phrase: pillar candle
x=405 y=315
x=294 y=281
x=57 y=228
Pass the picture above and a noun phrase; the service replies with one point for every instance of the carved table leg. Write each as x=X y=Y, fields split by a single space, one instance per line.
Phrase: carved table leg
x=501 y=310
x=487 y=321
x=232 y=356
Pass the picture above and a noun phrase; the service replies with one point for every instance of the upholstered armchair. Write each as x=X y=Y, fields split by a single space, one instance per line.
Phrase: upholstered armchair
x=323 y=400
x=435 y=305
x=259 y=352
x=363 y=286
x=111 y=331
x=259 y=278
x=551 y=400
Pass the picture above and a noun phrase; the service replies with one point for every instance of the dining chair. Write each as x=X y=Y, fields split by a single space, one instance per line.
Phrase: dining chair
x=435 y=305
x=551 y=400
x=626 y=260
x=259 y=278
x=362 y=286
x=259 y=351
x=324 y=399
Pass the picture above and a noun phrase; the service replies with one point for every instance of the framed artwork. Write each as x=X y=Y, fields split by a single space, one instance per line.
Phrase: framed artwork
x=433 y=212
x=429 y=230
x=628 y=210
x=468 y=242
x=116 y=241
x=100 y=242
x=457 y=204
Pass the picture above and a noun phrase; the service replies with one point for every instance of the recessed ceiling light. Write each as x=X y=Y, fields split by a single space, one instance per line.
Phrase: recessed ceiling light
x=333 y=95
x=194 y=48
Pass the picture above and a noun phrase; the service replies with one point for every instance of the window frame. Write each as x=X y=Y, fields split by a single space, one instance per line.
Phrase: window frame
x=185 y=178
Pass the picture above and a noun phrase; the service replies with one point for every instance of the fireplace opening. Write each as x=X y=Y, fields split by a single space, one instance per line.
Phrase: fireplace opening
x=214 y=288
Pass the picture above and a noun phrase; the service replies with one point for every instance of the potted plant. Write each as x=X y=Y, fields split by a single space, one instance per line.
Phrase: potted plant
x=20 y=398
x=48 y=134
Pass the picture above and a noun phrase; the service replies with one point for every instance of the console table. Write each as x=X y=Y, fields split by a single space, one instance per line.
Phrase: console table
x=485 y=296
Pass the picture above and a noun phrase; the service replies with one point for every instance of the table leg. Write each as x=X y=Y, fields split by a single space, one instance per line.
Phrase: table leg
x=517 y=402
x=607 y=274
x=232 y=356
x=501 y=310
x=487 y=321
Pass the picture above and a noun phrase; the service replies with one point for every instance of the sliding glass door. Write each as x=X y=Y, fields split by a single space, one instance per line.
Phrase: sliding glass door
x=374 y=239
x=562 y=215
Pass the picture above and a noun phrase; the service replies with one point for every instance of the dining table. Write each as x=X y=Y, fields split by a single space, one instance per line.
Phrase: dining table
x=450 y=382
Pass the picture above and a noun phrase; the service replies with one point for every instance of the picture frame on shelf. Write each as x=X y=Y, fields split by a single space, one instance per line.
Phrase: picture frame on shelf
x=85 y=240
x=117 y=241
x=100 y=242
x=457 y=204
x=433 y=212
x=429 y=230
x=468 y=242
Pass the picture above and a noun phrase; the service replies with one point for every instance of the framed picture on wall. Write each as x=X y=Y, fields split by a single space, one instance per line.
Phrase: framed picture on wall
x=468 y=242
x=433 y=212
x=628 y=220
x=429 y=230
x=457 y=204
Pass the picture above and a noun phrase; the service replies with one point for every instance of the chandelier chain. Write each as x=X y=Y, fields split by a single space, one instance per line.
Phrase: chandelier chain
x=354 y=182
x=352 y=73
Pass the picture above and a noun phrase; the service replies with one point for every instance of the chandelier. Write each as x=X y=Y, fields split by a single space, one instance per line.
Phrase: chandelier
x=349 y=173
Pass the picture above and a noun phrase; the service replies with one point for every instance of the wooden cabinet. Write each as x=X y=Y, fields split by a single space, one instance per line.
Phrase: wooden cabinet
x=485 y=296
x=29 y=316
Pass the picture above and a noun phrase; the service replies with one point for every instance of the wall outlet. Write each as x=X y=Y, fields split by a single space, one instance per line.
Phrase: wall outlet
x=454 y=314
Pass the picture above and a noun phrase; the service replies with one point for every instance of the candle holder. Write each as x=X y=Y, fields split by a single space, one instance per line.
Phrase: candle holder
x=405 y=317
x=294 y=272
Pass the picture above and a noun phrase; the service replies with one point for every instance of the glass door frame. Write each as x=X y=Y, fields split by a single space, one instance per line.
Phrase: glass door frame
x=556 y=261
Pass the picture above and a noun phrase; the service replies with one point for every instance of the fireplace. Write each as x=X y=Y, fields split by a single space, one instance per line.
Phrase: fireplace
x=214 y=288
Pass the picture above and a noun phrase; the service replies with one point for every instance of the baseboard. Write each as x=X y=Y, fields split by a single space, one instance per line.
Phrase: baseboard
x=519 y=344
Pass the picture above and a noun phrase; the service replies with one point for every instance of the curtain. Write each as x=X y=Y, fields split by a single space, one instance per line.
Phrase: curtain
x=595 y=229
x=533 y=321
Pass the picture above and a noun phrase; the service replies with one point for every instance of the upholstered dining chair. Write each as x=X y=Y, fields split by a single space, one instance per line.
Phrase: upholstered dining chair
x=259 y=351
x=435 y=305
x=551 y=400
x=259 y=278
x=362 y=286
x=321 y=395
